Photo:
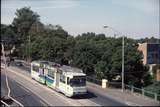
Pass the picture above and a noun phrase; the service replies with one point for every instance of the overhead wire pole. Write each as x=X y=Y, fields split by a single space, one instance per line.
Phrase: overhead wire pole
x=5 y=67
x=123 y=64
x=29 y=47
x=122 y=73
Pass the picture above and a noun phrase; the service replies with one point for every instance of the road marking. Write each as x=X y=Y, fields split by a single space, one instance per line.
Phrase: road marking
x=131 y=103
x=9 y=90
x=4 y=103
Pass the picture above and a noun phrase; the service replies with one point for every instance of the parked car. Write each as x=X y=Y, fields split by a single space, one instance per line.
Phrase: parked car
x=18 y=63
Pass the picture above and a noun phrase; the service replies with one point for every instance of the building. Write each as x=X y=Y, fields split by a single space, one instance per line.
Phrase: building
x=151 y=53
x=151 y=56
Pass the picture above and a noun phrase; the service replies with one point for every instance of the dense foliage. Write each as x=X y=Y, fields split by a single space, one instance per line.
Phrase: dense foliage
x=98 y=55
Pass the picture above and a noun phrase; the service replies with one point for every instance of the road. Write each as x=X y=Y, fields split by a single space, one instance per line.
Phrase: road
x=92 y=96
x=96 y=96
x=50 y=96
x=39 y=94
x=20 y=93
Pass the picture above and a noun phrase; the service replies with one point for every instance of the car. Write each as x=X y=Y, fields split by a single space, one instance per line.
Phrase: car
x=19 y=64
x=12 y=59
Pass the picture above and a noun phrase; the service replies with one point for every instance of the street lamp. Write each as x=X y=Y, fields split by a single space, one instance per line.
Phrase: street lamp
x=122 y=73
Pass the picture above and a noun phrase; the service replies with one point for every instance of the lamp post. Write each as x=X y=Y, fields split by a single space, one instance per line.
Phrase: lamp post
x=122 y=73
x=29 y=48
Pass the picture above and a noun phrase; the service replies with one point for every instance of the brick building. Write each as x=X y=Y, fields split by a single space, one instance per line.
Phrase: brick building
x=151 y=56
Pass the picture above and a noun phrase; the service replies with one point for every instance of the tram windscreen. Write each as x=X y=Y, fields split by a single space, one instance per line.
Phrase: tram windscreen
x=77 y=81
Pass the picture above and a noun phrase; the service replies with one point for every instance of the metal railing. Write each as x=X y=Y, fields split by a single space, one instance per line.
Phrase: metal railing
x=93 y=80
x=142 y=92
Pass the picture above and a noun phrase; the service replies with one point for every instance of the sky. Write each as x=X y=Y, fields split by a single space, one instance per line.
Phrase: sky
x=133 y=18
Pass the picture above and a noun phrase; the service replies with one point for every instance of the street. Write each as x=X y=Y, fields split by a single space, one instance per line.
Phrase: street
x=20 y=93
x=92 y=98
x=92 y=95
x=28 y=89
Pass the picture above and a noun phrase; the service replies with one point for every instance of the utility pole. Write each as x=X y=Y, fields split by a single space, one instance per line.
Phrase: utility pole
x=29 y=47
x=122 y=73
x=122 y=64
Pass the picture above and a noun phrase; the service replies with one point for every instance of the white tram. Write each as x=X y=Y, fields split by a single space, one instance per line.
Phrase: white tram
x=68 y=80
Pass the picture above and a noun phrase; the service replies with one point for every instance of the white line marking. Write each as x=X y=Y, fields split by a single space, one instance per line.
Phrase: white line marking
x=5 y=67
x=131 y=103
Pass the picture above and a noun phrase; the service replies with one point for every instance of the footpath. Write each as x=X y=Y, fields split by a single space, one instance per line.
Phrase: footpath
x=124 y=97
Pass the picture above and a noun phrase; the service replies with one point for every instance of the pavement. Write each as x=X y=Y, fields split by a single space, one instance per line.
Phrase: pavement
x=123 y=97
x=96 y=95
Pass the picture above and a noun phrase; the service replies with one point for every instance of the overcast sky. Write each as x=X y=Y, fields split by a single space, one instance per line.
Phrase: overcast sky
x=139 y=18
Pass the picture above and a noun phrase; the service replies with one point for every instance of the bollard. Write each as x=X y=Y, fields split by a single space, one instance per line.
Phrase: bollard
x=143 y=92
x=104 y=81
x=155 y=96
x=132 y=90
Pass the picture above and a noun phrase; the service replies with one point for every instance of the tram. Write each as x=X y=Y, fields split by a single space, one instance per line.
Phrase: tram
x=66 y=79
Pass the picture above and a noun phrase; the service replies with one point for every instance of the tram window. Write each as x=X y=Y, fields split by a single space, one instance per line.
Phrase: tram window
x=50 y=73
x=35 y=68
x=62 y=78
x=68 y=80
x=78 y=81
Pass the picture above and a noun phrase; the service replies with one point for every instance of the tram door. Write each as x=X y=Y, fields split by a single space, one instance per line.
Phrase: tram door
x=57 y=79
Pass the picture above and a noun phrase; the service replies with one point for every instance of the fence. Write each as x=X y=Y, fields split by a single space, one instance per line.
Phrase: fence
x=93 y=80
x=128 y=88
x=142 y=92
x=99 y=82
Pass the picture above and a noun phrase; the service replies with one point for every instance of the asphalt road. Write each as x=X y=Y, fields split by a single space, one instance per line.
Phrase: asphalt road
x=20 y=93
x=92 y=95
x=104 y=100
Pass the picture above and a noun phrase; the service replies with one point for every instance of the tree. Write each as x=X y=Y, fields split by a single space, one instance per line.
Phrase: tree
x=84 y=56
x=96 y=54
x=22 y=23
x=148 y=40
x=8 y=36
x=100 y=69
